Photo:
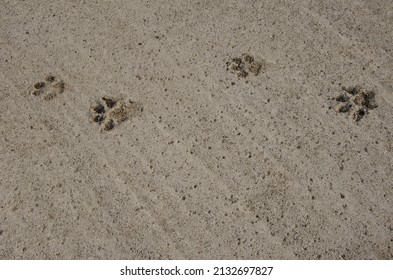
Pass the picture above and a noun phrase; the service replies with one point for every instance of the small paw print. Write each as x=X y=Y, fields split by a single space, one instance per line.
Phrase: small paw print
x=246 y=64
x=49 y=88
x=355 y=101
x=109 y=112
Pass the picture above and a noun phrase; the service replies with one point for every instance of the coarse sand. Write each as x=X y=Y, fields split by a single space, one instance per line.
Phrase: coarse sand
x=196 y=129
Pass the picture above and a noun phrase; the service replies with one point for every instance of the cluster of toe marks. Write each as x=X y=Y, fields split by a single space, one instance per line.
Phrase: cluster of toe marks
x=355 y=101
x=244 y=65
x=49 y=88
x=110 y=111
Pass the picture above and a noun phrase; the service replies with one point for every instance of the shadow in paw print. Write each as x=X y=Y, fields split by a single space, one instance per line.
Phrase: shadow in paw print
x=49 y=88
x=246 y=64
x=109 y=111
x=355 y=101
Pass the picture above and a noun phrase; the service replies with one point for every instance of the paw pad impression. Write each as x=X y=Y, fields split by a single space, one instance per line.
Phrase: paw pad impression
x=246 y=64
x=49 y=88
x=109 y=111
x=355 y=101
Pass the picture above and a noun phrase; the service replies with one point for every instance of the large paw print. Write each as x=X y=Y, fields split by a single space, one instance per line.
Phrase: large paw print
x=355 y=101
x=49 y=88
x=110 y=111
x=245 y=64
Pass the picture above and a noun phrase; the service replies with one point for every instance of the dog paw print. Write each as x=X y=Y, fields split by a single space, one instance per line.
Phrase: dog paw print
x=49 y=88
x=109 y=111
x=245 y=64
x=355 y=101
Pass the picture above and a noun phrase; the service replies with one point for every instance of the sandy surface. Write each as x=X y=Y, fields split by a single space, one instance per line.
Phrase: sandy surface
x=188 y=159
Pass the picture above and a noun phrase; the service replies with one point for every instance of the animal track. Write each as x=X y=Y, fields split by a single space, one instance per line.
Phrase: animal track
x=245 y=65
x=354 y=100
x=48 y=89
x=110 y=111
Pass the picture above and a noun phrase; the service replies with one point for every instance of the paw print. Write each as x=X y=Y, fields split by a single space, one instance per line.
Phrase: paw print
x=49 y=88
x=109 y=112
x=244 y=65
x=356 y=101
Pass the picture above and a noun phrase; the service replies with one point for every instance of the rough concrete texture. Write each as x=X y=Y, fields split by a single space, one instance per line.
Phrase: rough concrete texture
x=219 y=135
